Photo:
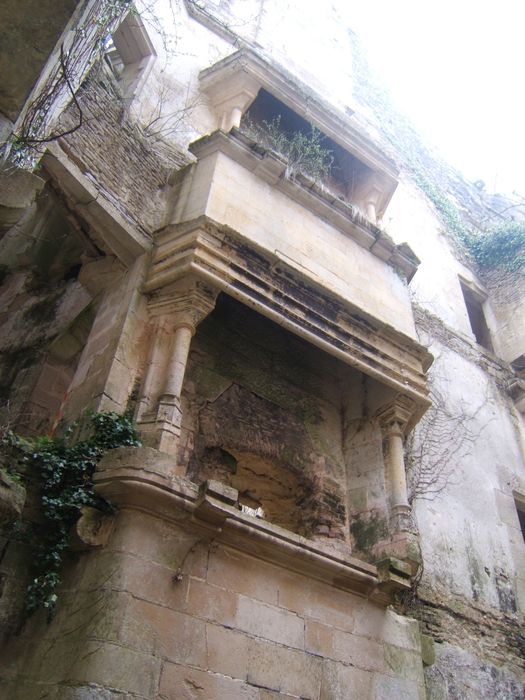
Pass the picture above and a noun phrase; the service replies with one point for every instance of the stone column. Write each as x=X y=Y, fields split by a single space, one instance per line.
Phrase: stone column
x=176 y=317
x=394 y=418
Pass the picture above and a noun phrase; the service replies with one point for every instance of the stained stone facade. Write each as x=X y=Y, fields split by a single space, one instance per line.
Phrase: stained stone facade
x=327 y=501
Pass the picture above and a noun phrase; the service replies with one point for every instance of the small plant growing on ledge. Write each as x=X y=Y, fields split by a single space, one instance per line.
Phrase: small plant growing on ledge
x=62 y=472
x=304 y=153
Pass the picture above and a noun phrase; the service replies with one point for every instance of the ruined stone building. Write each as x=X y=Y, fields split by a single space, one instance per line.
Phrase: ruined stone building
x=213 y=221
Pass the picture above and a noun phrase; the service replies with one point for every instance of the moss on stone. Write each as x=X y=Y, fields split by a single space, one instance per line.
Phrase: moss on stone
x=367 y=531
x=44 y=310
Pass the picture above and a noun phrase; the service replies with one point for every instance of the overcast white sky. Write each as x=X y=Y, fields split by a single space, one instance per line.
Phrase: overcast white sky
x=456 y=68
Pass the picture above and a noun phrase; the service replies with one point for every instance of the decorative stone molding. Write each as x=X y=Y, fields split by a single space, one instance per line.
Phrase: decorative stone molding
x=225 y=260
x=176 y=312
x=396 y=419
x=92 y=529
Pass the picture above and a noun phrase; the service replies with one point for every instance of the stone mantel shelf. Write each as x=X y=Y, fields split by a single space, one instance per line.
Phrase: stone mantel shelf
x=328 y=207
x=225 y=260
x=145 y=479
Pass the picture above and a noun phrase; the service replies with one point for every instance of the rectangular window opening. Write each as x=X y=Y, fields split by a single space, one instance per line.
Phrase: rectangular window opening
x=130 y=54
x=520 y=509
x=478 y=323
x=345 y=174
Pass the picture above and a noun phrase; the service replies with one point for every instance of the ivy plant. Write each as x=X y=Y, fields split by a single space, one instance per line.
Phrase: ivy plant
x=62 y=471
x=502 y=246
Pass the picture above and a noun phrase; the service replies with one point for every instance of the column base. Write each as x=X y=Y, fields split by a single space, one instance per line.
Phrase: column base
x=401 y=519
x=402 y=546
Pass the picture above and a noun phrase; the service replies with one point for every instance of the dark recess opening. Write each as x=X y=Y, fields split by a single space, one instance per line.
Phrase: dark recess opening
x=347 y=173
x=520 y=508
x=476 y=316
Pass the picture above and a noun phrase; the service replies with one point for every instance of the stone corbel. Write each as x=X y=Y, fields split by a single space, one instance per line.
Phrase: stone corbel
x=91 y=530
x=176 y=313
x=371 y=195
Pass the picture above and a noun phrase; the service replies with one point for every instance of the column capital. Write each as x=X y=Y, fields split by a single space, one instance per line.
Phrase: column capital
x=394 y=416
x=185 y=303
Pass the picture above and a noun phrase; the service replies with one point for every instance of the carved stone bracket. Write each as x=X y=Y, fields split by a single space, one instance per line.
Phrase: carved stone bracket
x=92 y=529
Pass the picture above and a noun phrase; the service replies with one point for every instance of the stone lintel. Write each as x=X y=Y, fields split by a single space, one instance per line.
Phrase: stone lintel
x=131 y=478
x=227 y=261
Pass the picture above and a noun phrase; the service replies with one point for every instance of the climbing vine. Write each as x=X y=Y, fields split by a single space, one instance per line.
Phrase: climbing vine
x=502 y=246
x=62 y=471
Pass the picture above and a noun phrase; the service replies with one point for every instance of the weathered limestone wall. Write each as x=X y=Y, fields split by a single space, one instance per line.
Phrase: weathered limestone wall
x=42 y=306
x=470 y=599
x=167 y=610
x=507 y=291
x=473 y=548
x=107 y=371
x=118 y=158
x=164 y=610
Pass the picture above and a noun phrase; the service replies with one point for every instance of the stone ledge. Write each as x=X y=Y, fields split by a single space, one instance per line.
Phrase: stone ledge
x=120 y=236
x=271 y=168
x=213 y=513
